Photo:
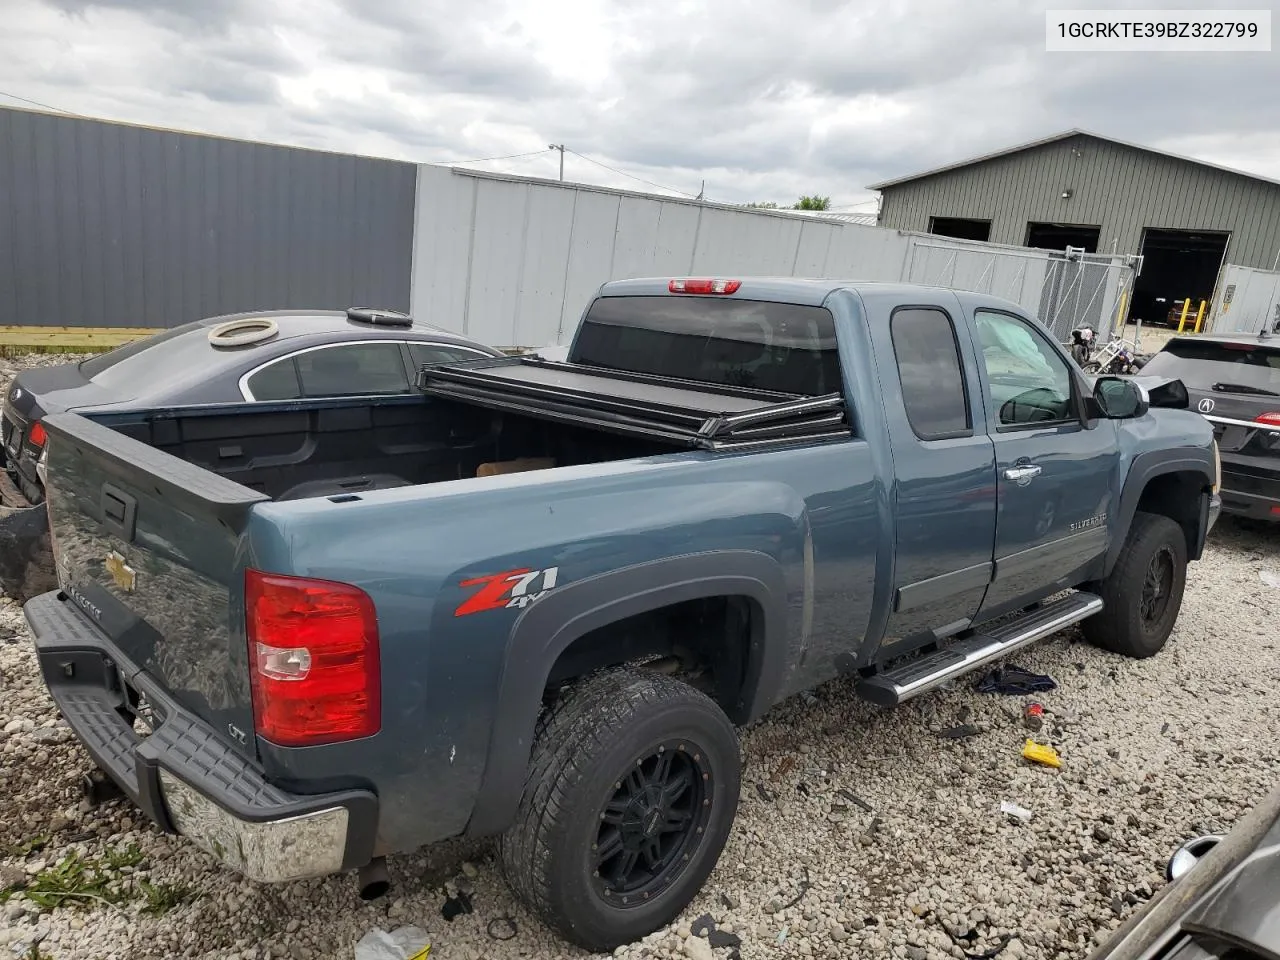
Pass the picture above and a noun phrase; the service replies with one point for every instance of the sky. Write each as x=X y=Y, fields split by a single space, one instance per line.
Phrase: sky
x=764 y=100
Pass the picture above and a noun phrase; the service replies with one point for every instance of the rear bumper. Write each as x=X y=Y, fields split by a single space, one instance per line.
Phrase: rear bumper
x=1254 y=494
x=182 y=775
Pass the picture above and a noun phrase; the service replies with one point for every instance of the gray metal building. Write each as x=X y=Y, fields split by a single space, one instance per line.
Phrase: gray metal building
x=1184 y=216
x=108 y=224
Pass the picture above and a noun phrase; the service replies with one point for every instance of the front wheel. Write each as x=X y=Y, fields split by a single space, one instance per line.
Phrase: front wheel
x=1143 y=593
x=632 y=788
x=1093 y=366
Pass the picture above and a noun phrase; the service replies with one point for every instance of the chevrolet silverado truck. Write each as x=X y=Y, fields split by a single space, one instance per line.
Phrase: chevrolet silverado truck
x=538 y=599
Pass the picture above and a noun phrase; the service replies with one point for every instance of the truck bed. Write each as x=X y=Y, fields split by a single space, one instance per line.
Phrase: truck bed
x=290 y=451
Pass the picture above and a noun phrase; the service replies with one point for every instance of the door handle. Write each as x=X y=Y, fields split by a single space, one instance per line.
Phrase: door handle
x=1022 y=474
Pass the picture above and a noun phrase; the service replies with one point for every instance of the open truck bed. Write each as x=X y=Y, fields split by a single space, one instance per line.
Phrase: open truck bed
x=698 y=415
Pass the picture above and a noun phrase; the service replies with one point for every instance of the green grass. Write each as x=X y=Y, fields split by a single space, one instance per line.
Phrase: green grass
x=73 y=878
x=76 y=879
x=84 y=881
x=130 y=856
x=163 y=897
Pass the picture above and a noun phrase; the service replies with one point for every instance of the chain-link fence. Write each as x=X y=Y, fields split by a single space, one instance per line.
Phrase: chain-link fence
x=1065 y=289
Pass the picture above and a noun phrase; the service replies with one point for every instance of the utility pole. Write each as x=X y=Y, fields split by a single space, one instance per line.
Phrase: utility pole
x=702 y=190
x=560 y=147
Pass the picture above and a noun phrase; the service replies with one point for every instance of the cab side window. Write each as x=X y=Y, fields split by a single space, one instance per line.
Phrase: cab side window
x=1028 y=382
x=928 y=356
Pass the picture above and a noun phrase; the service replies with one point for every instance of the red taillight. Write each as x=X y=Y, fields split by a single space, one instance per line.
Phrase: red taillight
x=1270 y=419
x=314 y=670
x=37 y=436
x=704 y=286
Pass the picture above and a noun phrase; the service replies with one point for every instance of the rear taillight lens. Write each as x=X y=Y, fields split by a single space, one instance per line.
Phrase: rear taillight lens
x=704 y=286
x=37 y=436
x=1270 y=419
x=314 y=669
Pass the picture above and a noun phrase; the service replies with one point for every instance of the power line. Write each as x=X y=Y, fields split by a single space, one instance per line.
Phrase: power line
x=37 y=103
x=512 y=156
x=623 y=173
x=860 y=203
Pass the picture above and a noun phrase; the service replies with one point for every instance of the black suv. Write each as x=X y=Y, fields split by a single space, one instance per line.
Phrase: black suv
x=1234 y=381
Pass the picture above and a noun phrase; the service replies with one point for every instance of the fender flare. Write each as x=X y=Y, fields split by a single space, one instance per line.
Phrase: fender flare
x=547 y=628
x=1143 y=470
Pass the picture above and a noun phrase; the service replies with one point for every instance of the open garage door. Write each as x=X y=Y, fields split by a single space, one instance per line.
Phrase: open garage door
x=1176 y=265
x=1060 y=236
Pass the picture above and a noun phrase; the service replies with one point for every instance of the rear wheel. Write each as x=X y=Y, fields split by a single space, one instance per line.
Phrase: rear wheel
x=1143 y=594
x=1093 y=366
x=632 y=789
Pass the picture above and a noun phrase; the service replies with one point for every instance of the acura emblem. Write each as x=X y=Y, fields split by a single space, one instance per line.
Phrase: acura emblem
x=1206 y=405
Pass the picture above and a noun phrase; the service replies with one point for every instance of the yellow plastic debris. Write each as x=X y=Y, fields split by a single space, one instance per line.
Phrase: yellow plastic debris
x=422 y=954
x=1041 y=753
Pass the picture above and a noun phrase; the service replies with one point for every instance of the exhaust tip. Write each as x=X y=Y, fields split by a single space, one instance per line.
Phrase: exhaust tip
x=1189 y=854
x=372 y=881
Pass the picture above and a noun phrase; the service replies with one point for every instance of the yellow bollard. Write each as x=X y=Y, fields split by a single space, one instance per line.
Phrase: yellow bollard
x=1186 y=308
x=1199 y=316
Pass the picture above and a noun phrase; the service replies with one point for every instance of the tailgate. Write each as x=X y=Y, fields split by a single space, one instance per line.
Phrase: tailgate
x=148 y=547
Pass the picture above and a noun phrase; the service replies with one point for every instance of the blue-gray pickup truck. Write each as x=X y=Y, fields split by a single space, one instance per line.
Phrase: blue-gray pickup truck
x=536 y=599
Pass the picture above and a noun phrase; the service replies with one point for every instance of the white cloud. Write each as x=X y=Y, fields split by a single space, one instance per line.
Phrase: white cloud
x=765 y=99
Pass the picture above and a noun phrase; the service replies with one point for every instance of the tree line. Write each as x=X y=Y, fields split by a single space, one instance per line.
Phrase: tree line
x=804 y=203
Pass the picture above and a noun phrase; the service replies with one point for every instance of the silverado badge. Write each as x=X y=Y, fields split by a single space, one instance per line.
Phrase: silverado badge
x=120 y=571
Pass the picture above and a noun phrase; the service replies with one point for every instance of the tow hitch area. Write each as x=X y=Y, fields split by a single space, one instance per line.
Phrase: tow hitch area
x=26 y=554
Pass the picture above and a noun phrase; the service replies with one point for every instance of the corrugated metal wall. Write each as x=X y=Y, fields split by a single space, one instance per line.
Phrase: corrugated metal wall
x=513 y=262
x=1246 y=301
x=1118 y=188
x=105 y=224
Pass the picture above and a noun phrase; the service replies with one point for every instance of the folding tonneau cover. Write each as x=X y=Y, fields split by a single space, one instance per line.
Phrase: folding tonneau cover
x=699 y=415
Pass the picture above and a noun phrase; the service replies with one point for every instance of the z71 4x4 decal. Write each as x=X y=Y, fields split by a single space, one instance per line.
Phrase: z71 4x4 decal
x=511 y=588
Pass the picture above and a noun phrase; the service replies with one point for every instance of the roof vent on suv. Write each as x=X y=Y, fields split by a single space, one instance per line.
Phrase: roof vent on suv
x=382 y=318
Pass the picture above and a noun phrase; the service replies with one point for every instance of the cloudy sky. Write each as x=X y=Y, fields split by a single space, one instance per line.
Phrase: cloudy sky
x=764 y=99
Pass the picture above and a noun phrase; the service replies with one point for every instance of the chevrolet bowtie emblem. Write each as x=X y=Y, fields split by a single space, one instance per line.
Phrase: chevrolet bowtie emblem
x=120 y=571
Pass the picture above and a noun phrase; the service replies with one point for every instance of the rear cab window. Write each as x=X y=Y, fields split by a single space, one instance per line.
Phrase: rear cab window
x=761 y=345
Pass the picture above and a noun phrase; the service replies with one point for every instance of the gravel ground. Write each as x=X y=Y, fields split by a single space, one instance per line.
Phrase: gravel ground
x=862 y=832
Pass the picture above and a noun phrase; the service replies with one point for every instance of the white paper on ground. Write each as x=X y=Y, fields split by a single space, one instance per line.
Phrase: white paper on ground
x=400 y=944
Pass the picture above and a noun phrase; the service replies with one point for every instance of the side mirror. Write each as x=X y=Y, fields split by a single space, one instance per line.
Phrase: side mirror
x=1119 y=399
